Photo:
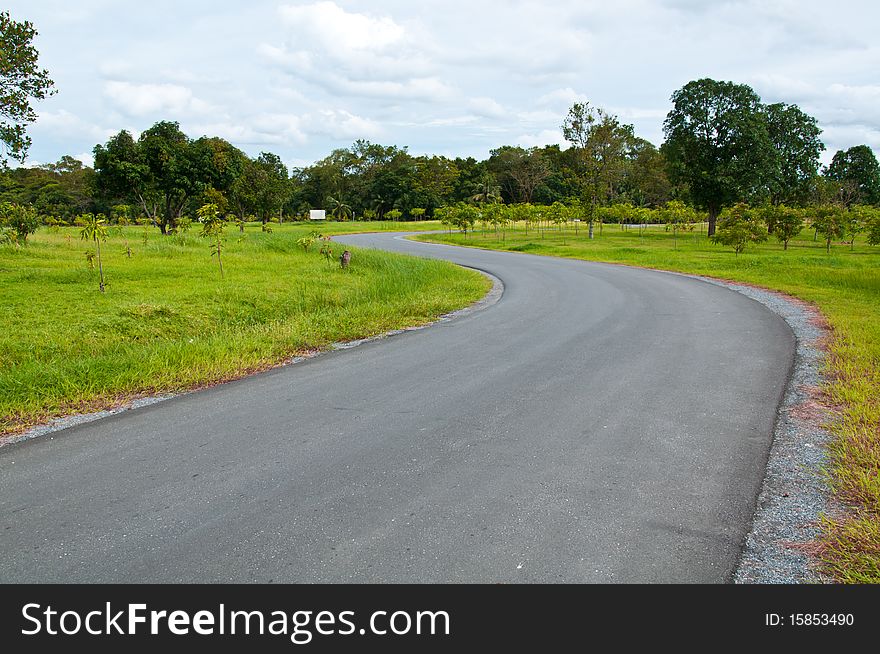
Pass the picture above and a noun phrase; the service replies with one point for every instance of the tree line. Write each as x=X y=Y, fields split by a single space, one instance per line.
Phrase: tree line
x=738 y=226
x=722 y=146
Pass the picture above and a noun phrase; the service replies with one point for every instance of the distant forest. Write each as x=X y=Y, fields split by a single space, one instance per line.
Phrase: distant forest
x=713 y=157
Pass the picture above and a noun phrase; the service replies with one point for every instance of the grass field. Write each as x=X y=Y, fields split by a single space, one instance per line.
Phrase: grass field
x=168 y=322
x=844 y=285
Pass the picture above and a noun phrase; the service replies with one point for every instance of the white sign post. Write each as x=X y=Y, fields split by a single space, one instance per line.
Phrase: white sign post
x=317 y=214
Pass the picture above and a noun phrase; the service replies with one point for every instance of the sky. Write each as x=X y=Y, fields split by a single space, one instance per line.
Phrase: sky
x=450 y=77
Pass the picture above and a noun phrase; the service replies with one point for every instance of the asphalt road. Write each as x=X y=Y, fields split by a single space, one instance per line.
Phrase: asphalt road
x=598 y=424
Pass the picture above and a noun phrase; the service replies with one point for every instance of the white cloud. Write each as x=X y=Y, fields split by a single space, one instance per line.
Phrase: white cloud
x=63 y=122
x=87 y=158
x=564 y=97
x=154 y=99
x=542 y=138
x=338 y=29
x=450 y=121
x=340 y=124
x=353 y=53
x=486 y=107
x=285 y=129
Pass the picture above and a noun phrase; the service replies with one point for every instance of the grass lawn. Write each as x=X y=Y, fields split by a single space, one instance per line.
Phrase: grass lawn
x=844 y=285
x=168 y=322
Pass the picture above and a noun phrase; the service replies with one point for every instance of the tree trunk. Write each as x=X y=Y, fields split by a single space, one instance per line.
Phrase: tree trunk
x=713 y=218
x=591 y=229
x=100 y=264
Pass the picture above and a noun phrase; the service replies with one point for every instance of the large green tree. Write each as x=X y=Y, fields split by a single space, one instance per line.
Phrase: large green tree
x=21 y=82
x=434 y=181
x=220 y=164
x=857 y=170
x=795 y=138
x=173 y=166
x=262 y=188
x=718 y=144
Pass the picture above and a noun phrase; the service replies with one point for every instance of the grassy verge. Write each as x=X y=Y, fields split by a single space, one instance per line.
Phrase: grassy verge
x=168 y=322
x=844 y=285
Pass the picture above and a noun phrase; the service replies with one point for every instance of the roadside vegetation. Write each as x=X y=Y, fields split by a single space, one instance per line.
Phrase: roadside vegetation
x=167 y=321
x=842 y=280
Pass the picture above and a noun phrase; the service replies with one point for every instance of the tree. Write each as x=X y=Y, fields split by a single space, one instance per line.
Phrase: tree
x=783 y=222
x=172 y=165
x=859 y=218
x=831 y=222
x=646 y=181
x=795 y=138
x=718 y=144
x=21 y=219
x=95 y=230
x=219 y=164
x=434 y=180
x=857 y=168
x=518 y=171
x=601 y=144
x=339 y=209
x=274 y=190
x=739 y=226
x=679 y=216
x=874 y=228
x=212 y=227
x=21 y=81
x=461 y=215
x=74 y=185
x=488 y=191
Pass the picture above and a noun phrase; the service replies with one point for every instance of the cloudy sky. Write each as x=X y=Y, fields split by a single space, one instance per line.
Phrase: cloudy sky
x=452 y=77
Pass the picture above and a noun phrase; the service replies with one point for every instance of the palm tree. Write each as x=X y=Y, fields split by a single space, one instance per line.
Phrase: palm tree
x=487 y=193
x=339 y=209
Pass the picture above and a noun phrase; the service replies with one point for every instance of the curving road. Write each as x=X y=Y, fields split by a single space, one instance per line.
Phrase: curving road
x=598 y=424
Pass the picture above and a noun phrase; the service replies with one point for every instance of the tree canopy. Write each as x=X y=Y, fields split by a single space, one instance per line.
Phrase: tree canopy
x=21 y=82
x=718 y=144
x=858 y=171
x=601 y=144
x=795 y=138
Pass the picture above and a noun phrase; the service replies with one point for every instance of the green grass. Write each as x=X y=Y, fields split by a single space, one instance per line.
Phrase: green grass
x=844 y=285
x=168 y=322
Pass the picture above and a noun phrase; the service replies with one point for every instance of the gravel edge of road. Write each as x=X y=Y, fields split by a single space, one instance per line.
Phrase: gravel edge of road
x=793 y=495
x=59 y=424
